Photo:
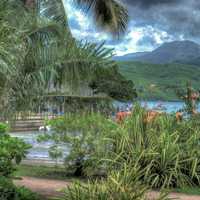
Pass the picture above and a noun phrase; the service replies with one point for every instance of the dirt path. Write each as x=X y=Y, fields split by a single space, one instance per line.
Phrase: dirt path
x=174 y=196
x=44 y=187
x=51 y=188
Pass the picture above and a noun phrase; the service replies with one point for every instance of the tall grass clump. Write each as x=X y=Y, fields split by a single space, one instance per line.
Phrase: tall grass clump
x=169 y=151
x=124 y=184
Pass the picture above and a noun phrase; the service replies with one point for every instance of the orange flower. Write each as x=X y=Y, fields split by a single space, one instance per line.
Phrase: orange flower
x=151 y=116
x=179 y=116
x=121 y=116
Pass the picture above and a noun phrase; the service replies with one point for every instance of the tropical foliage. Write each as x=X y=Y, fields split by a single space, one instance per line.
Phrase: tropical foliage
x=38 y=50
x=167 y=151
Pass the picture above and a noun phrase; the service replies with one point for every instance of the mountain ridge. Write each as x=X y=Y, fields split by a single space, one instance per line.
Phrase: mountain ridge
x=184 y=52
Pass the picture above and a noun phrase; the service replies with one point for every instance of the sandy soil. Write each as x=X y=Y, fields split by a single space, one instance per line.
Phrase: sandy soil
x=51 y=188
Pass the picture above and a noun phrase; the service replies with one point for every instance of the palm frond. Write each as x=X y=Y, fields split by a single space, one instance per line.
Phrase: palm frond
x=111 y=15
x=80 y=62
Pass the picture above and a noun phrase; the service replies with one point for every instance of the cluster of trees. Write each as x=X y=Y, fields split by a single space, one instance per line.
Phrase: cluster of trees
x=37 y=48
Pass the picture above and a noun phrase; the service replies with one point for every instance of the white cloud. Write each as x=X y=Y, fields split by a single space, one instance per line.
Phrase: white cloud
x=131 y=41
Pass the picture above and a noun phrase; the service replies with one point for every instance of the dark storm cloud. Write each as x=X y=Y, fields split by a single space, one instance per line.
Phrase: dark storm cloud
x=149 y=3
x=180 y=18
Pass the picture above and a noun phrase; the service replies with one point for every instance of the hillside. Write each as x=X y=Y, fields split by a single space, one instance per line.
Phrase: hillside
x=157 y=81
x=186 y=52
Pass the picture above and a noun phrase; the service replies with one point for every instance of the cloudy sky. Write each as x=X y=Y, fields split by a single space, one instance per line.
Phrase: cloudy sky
x=152 y=22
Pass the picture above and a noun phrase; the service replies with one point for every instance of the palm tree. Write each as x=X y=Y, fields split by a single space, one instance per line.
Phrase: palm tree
x=109 y=14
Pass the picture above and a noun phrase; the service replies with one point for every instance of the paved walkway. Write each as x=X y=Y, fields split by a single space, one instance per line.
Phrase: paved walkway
x=51 y=188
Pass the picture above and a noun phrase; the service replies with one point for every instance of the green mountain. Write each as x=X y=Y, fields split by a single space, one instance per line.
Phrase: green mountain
x=159 y=81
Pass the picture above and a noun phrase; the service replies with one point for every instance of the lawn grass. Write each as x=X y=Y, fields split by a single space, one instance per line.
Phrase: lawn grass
x=46 y=172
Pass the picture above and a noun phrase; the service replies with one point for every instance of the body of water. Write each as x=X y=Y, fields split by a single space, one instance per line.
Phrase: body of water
x=39 y=151
x=165 y=106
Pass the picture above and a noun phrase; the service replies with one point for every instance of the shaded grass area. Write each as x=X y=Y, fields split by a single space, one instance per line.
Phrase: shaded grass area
x=45 y=172
x=188 y=190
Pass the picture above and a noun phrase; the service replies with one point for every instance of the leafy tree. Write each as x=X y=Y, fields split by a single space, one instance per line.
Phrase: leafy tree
x=112 y=83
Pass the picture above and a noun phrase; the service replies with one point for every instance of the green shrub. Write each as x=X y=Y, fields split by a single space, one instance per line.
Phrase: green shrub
x=12 y=151
x=83 y=135
x=25 y=194
x=7 y=189
x=3 y=128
